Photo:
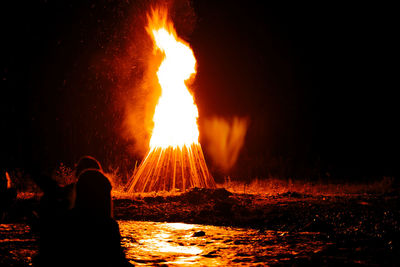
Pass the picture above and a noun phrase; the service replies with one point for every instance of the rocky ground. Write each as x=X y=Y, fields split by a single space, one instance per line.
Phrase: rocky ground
x=361 y=228
x=371 y=215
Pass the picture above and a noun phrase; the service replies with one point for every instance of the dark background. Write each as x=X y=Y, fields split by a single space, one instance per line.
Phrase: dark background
x=315 y=80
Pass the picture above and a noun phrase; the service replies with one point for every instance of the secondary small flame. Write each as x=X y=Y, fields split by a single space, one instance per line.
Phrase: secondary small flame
x=8 y=180
x=175 y=117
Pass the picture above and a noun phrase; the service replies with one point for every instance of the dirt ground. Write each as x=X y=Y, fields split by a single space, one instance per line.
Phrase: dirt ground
x=359 y=228
x=362 y=227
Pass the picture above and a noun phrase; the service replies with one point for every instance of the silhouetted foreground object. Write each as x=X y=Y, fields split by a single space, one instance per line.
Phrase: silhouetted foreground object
x=3 y=193
x=75 y=223
x=88 y=235
x=8 y=195
x=93 y=194
x=53 y=209
x=57 y=200
x=86 y=162
x=94 y=231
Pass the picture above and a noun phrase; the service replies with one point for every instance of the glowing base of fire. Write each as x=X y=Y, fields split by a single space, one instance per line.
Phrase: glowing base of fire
x=167 y=169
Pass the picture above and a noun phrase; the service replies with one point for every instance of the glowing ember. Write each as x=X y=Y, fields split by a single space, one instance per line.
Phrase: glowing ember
x=175 y=159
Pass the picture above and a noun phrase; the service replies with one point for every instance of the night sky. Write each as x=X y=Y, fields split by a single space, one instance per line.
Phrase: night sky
x=315 y=80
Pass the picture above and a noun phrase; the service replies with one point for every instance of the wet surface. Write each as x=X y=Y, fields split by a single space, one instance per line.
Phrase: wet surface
x=215 y=227
x=154 y=243
x=173 y=244
x=17 y=245
x=179 y=243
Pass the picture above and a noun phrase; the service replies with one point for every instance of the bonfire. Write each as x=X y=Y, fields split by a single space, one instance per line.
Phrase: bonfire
x=175 y=160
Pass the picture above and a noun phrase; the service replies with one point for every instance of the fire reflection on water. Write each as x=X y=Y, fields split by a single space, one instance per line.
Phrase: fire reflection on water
x=155 y=243
x=152 y=242
x=17 y=245
x=162 y=242
x=148 y=243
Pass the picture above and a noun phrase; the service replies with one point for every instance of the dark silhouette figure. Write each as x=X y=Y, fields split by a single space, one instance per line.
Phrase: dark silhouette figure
x=56 y=200
x=88 y=236
x=94 y=231
x=75 y=222
x=3 y=193
x=86 y=162
x=8 y=195
x=3 y=183
x=53 y=209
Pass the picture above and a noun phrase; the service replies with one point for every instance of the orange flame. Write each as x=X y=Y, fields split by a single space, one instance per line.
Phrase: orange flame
x=175 y=117
x=175 y=160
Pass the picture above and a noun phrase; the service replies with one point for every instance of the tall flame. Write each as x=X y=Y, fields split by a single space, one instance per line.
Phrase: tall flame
x=175 y=160
x=175 y=117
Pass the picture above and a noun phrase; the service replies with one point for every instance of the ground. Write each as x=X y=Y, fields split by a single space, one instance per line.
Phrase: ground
x=354 y=228
x=362 y=227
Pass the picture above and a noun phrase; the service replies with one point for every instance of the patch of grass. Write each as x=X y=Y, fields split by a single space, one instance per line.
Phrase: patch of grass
x=121 y=194
x=64 y=175
x=274 y=186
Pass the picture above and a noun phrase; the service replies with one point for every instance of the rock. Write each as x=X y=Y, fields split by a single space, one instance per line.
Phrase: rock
x=211 y=254
x=152 y=200
x=220 y=193
x=198 y=233
x=223 y=208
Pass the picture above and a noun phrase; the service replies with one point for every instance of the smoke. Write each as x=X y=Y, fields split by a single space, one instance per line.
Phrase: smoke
x=139 y=108
x=224 y=140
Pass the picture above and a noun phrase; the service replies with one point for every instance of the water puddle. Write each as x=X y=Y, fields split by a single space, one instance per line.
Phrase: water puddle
x=185 y=244
x=178 y=244
x=17 y=245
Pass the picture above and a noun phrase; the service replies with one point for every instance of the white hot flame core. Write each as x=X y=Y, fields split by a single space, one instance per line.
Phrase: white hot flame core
x=175 y=117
